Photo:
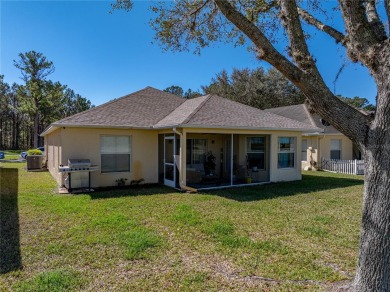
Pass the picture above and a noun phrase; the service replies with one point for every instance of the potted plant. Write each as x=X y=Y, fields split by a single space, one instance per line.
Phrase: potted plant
x=34 y=159
x=209 y=163
x=121 y=182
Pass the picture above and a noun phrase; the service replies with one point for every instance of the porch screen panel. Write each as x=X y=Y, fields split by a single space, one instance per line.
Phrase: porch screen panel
x=196 y=151
x=115 y=153
x=286 y=153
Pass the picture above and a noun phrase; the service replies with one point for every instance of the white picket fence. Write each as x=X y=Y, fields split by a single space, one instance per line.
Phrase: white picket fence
x=343 y=166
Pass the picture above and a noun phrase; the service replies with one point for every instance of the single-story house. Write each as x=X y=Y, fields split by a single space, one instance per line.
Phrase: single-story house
x=327 y=143
x=154 y=136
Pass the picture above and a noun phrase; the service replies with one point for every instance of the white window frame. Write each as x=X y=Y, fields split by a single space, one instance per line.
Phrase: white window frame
x=292 y=150
x=250 y=151
x=129 y=152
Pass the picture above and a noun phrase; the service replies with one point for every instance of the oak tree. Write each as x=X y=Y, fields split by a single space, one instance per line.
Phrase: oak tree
x=255 y=87
x=195 y=24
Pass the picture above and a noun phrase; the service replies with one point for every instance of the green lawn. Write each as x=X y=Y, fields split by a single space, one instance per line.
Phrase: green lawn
x=287 y=236
x=12 y=154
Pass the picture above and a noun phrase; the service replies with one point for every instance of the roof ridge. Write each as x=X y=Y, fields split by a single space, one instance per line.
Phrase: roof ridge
x=309 y=115
x=169 y=112
x=284 y=106
x=207 y=97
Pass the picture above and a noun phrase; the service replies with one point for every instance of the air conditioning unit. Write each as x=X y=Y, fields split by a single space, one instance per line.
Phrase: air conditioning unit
x=34 y=162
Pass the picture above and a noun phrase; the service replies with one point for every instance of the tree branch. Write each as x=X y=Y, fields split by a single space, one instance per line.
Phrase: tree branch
x=346 y=119
x=363 y=40
x=266 y=50
x=298 y=47
x=374 y=20
x=256 y=10
x=195 y=12
x=199 y=8
x=310 y=19
x=315 y=89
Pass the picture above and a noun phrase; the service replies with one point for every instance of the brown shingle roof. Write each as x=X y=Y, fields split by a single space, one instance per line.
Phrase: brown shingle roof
x=152 y=108
x=302 y=114
x=143 y=108
x=183 y=112
x=222 y=112
x=215 y=111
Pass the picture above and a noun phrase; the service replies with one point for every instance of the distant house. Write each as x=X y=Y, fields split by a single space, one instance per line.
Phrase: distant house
x=327 y=143
x=204 y=142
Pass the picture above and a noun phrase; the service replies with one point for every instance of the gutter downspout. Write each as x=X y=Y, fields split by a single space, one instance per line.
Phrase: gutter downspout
x=182 y=183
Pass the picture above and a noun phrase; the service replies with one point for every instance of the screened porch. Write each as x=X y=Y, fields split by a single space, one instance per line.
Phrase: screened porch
x=214 y=160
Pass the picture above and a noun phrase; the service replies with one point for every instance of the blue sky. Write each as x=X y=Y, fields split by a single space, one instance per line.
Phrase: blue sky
x=104 y=56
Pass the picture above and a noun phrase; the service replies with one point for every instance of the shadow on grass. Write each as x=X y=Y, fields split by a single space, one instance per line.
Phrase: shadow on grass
x=130 y=191
x=10 y=258
x=308 y=184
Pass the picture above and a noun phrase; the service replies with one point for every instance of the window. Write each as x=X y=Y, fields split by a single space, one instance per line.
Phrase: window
x=115 y=153
x=286 y=153
x=256 y=152
x=196 y=151
x=335 y=149
x=304 y=150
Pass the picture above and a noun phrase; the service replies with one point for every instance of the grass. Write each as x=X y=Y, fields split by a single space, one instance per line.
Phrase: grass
x=12 y=154
x=54 y=281
x=138 y=241
x=157 y=239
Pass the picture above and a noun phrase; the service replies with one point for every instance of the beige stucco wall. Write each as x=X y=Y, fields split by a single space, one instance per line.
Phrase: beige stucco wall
x=321 y=147
x=346 y=146
x=84 y=143
x=285 y=174
x=53 y=154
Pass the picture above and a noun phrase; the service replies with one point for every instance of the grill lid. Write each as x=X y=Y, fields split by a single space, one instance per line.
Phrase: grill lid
x=79 y=162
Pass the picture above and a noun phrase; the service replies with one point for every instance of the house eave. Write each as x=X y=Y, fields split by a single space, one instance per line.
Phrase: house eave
x=235 y=128
x=55 y=126
x=48 y=130
x=321 y=134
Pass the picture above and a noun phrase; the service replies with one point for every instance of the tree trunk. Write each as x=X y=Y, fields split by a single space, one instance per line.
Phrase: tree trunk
x=373 y=273
x=1 y=133
x=36 y=125
x=31 y=138
x=14 y=127
x=17 y=132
